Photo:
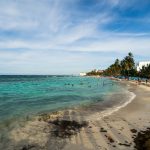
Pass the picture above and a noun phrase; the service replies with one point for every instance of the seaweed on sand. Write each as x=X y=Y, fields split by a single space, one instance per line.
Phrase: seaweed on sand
x=27 y=147
x=66 y=128
x=142 y=140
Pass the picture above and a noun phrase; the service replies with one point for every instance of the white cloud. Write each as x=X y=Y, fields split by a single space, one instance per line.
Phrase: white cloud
x=48 y=62
x=44 y=30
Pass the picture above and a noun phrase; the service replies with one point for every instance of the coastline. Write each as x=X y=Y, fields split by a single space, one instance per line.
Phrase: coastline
x=114 y=131
x=118 y=130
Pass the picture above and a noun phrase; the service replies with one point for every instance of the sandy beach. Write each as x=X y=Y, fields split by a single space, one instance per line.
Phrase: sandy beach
x=118 y=130
x=112 y=132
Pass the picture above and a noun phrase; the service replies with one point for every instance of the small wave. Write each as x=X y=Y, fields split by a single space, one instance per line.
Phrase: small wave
x=109 y=111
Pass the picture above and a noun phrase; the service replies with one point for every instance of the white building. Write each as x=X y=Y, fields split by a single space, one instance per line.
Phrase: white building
x=82 y=74
x=141 y=64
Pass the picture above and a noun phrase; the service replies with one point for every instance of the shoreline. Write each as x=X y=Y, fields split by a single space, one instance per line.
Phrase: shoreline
x=118 y=130
x=110 y=111
x=114 y=131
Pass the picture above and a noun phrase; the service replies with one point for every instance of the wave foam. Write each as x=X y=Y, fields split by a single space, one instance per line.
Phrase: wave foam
x=109 y=111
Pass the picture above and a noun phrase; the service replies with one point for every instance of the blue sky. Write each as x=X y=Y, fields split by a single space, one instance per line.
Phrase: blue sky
x=70 y=36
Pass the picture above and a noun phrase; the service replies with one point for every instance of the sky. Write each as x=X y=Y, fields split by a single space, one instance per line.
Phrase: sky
x=71 y=36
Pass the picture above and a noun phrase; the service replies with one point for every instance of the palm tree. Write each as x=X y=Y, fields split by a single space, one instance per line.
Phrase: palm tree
x=117 y=66
x=130 y=61
x=127 y=64
x=125 y=67
x=145 y=71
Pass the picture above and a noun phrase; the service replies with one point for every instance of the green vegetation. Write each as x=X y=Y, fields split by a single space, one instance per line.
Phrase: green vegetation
x=94 y=73
x=125 y=67
x=145 y=72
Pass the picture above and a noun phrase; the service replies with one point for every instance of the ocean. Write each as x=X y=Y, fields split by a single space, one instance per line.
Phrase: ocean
x=22 y=96
x=25 y=96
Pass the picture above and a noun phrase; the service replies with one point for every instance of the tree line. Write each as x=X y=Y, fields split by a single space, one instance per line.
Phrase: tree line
x=125 y=67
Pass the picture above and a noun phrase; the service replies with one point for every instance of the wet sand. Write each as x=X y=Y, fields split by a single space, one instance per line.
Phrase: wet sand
x=116 y=131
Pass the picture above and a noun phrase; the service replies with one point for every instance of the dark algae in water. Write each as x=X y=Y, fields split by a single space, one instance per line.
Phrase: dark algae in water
x=142 y=140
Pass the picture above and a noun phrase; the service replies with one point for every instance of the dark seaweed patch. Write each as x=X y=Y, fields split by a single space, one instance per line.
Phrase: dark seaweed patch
x=66 y=128
x=142 y=140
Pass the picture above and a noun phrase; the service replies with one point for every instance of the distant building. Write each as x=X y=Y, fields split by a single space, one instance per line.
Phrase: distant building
x=82 y=74
x=141 y=64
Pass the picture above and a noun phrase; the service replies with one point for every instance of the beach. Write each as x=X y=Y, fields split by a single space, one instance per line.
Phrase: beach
x=77 y=129
x=74 y=75
x=117 y=131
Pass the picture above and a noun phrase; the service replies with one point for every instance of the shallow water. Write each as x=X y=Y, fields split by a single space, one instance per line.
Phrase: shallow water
x=28 y=95
x=23 y=97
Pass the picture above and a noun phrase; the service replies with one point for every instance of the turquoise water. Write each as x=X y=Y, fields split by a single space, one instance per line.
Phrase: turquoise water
x=22 y=96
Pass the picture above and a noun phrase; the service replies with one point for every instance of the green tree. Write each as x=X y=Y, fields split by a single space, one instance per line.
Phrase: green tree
x=145 y=72
x=125 y=67
x=113 y=69
x=127 y=64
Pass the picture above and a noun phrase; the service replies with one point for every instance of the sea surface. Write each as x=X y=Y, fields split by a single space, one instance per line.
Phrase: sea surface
x=23 y=96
